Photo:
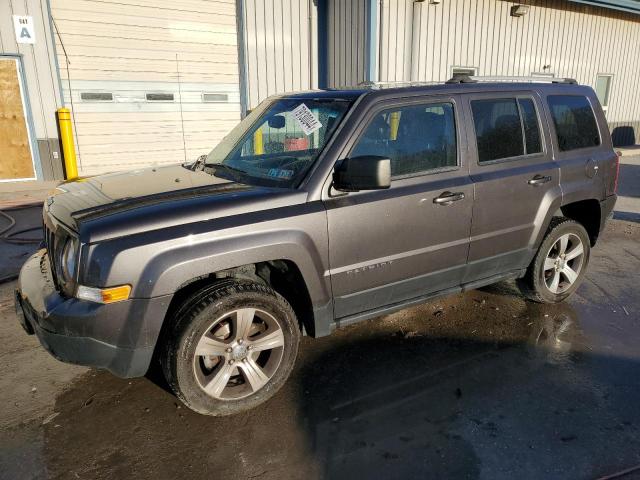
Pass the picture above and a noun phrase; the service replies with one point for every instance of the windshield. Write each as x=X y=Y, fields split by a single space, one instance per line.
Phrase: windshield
x=278 y=142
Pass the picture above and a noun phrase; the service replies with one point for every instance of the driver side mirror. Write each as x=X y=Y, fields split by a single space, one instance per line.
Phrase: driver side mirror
x=366 y=172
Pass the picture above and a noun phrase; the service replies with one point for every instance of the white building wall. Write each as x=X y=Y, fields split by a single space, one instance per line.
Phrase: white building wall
x=280 y=47
x=423 y=41
x=133 y=47
x=346 y=42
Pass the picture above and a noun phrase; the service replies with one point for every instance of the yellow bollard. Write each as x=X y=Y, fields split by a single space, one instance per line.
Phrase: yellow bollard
x=394 y=122
x=258 y=145
x=66 y=137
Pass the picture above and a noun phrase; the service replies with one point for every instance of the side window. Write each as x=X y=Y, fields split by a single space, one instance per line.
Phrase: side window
x=533 y=144
x=417 y=138
x=506 y=127
x=574 y=120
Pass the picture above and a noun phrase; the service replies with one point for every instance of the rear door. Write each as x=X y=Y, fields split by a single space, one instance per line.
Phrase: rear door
x=516 y=181
x=389 y=246
x=582 y=154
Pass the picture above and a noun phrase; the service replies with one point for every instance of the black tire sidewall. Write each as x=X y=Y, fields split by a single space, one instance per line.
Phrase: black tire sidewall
x=195 y=322
x=540 y=288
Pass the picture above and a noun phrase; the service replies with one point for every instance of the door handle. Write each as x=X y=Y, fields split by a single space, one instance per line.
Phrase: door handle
x=539 y=180
x=447 y=198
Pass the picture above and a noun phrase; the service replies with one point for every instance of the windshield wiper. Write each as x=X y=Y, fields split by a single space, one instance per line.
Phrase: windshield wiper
x=226 y=167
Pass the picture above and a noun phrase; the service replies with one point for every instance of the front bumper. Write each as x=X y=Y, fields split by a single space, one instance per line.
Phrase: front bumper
x=119 y=337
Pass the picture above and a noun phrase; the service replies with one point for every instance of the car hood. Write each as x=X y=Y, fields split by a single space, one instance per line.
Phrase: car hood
x=117 y=204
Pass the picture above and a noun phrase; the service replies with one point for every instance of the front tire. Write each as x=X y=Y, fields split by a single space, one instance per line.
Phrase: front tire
x=559 y=267
x=231 y=348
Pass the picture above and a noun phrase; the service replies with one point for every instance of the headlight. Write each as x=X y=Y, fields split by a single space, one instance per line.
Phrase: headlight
x=69 y=260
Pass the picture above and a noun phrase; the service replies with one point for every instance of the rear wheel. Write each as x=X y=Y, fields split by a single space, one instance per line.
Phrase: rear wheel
x=231 y=348
x=560 y=264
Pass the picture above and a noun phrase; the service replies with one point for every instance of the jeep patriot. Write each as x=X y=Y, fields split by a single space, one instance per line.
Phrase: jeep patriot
x=318 y=210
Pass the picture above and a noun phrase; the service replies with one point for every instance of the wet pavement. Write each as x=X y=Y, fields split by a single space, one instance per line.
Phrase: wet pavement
x=20 y=239
x=479 y=385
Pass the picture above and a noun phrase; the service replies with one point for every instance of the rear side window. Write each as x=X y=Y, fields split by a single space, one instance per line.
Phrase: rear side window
x=417 y=138
x=575 y=123
x=506 y=127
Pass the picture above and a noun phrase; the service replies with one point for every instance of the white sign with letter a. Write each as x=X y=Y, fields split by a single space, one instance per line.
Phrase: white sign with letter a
x=25 y=31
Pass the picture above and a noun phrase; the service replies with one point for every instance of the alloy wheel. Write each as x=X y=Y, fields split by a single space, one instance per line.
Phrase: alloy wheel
x=238 y=354
x=563 y=263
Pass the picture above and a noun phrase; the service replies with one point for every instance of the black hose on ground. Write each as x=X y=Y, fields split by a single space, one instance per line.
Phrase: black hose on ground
x=9 y=237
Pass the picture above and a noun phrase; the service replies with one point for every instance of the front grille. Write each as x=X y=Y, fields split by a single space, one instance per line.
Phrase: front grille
x=51 y=243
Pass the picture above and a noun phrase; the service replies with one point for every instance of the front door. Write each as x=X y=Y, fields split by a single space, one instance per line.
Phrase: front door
x=389 y=246
x=15 y=148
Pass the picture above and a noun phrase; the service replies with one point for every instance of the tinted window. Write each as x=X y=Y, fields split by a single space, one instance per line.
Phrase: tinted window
x=415 y=138
x=531 y=127
x=575 y=124
x=498 y=128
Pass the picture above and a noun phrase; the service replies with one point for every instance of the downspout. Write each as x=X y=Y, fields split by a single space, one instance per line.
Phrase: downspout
x=242 y=59
x=372 y=26
x=323 y=44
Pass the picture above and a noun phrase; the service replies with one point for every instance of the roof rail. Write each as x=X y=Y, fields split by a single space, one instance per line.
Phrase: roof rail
x=461 y=78
x=395 y=84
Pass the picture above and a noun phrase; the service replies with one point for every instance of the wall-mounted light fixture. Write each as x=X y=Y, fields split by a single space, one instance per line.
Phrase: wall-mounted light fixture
x=519 y=10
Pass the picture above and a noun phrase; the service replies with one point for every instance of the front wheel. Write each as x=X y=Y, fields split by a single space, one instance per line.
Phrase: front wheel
x=231 y=348
x=560 y=264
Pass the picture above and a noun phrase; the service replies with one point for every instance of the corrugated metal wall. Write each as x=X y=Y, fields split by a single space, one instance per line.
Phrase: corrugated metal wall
x=423 y=41
x=133 y=47
x=346 y=42
x=42 y=84
x=280 y=47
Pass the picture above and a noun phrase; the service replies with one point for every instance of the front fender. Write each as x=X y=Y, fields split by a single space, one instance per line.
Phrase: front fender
x=176 y=266
x=159 y=262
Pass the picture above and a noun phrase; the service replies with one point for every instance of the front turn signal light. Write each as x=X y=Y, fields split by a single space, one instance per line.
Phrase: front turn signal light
x=104 y=295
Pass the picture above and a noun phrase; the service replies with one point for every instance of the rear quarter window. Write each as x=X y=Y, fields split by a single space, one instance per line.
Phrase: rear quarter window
x=575 y=122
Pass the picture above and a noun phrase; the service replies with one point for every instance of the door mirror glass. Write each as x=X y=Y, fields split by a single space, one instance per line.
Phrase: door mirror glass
x=366 y=172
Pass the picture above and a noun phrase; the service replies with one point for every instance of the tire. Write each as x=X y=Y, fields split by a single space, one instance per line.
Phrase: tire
x=219 y=359
x=539 y=283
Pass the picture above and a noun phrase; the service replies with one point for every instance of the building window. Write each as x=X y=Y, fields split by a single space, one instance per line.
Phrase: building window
x=603 y=89
x=215 y=97
x=159 y=97
x=96 y=97
x=469 y=71
x=575 y=123
x=417 y=138
x=505 y=128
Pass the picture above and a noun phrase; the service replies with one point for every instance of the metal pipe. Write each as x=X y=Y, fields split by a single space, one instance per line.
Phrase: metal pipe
x=66 y=138
x=258 y=145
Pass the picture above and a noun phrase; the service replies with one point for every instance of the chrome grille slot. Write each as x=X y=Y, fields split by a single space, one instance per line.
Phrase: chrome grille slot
x=51 y=245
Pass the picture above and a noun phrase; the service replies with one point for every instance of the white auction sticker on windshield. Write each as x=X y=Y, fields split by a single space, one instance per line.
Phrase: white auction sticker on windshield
x=306 y=119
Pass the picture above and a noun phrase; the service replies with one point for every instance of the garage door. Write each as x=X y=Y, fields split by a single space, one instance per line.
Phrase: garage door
x=149 y=82
x=16 y=161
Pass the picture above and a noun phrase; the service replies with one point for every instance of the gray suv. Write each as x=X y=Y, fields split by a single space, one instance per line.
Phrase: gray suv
x=320 y=209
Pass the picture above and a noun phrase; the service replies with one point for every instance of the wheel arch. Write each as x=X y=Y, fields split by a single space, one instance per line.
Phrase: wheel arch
x=587 y=213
